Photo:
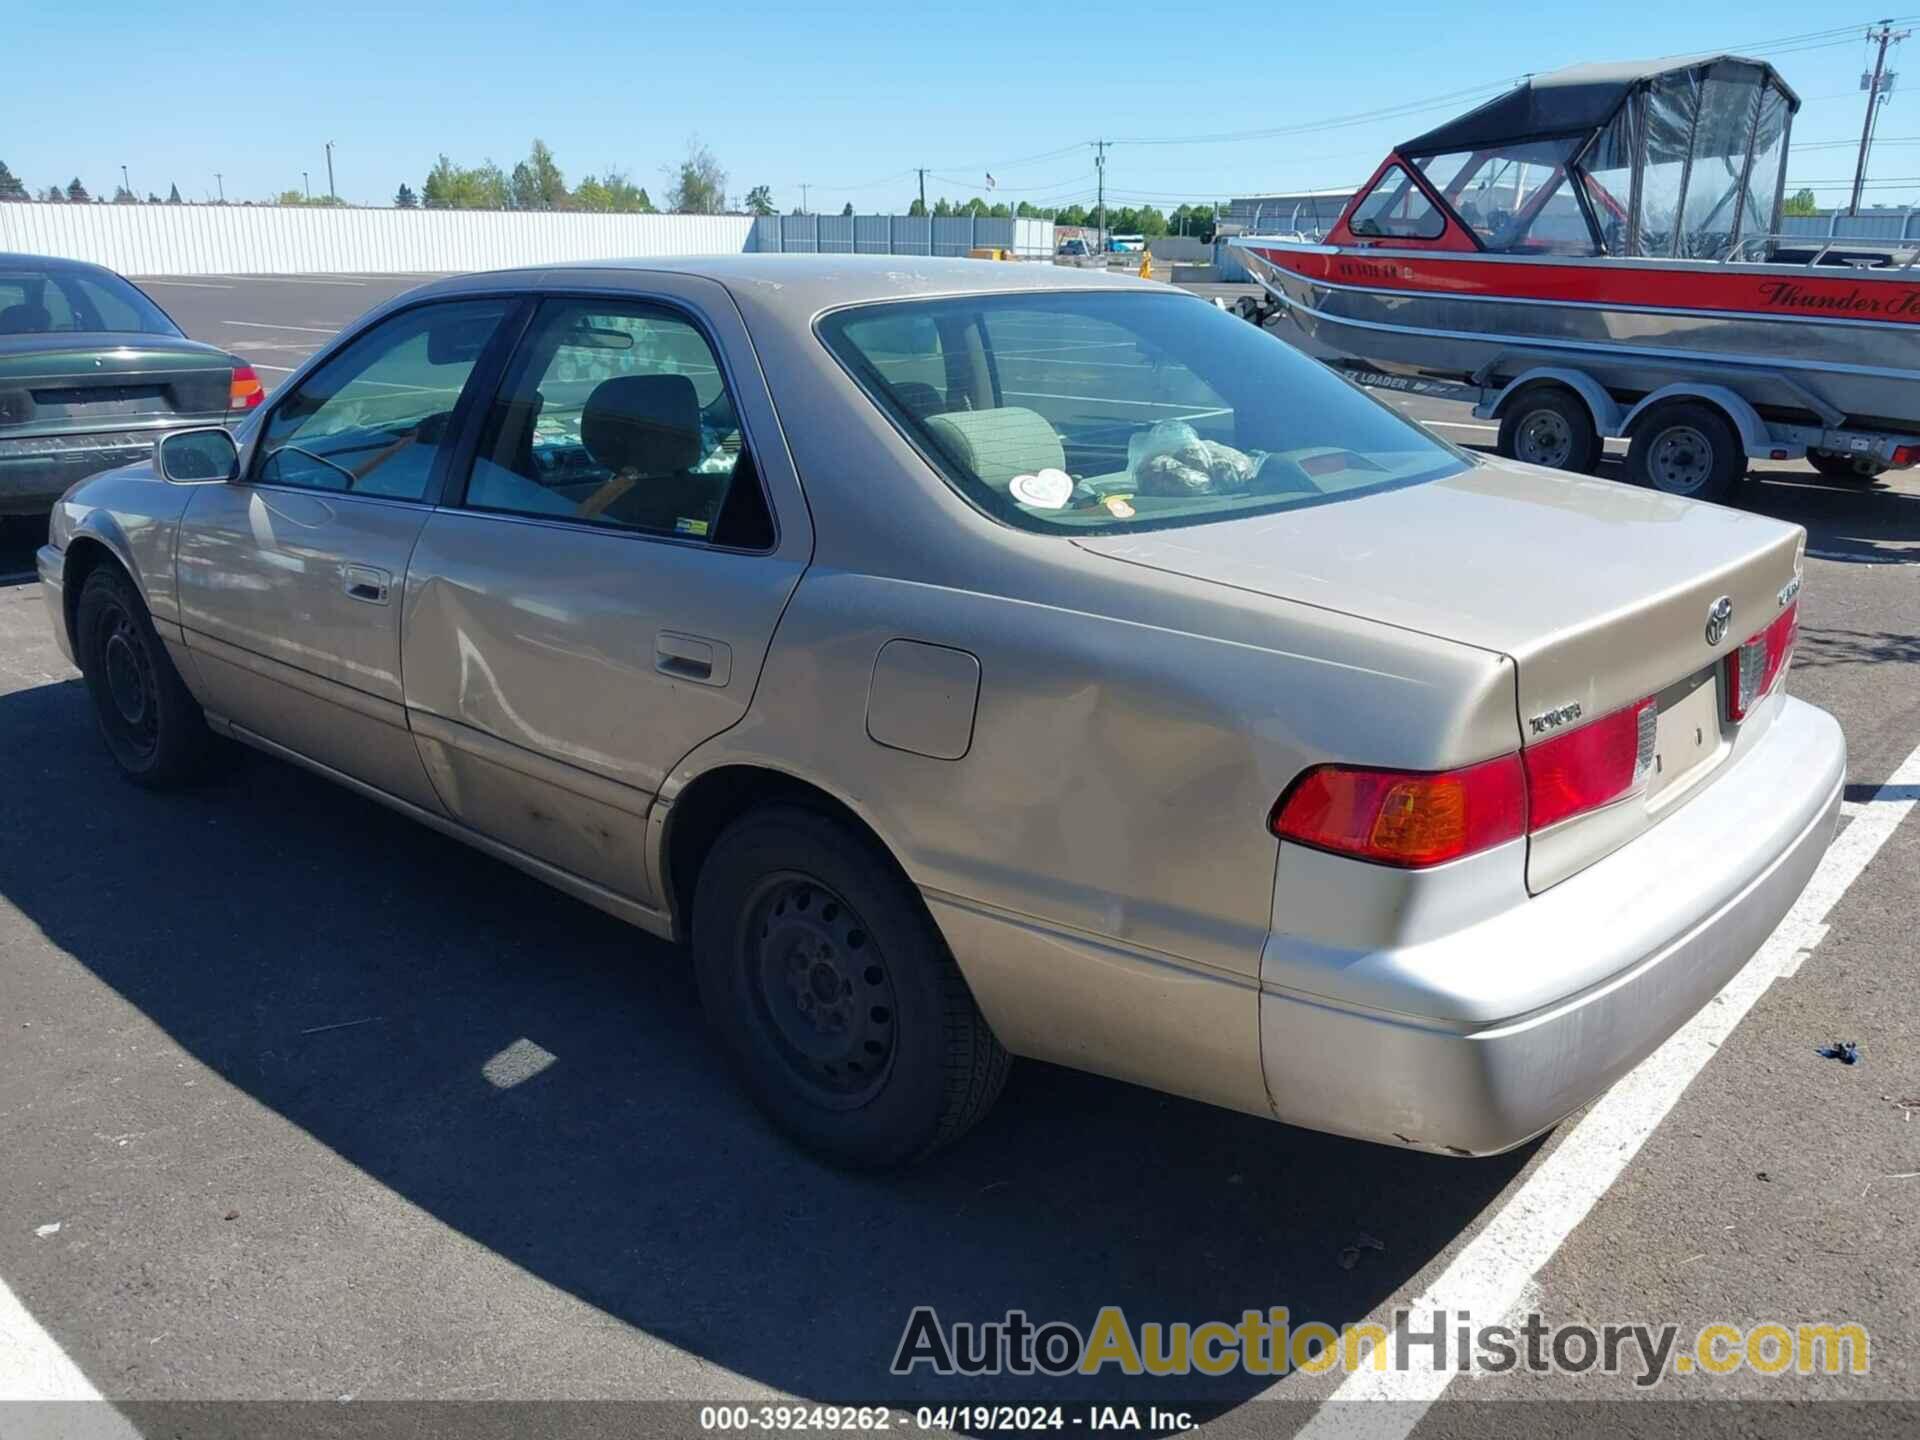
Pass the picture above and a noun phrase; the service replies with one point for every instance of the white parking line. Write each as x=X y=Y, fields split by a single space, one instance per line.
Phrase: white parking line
x=1492 y=1273
x=187 y=284
x=277 y=369
x=263 y=325
x=34 y=1368
x=294 y=280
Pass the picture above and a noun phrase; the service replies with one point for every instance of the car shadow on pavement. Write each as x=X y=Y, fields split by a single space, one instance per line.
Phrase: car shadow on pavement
x=535 y=1075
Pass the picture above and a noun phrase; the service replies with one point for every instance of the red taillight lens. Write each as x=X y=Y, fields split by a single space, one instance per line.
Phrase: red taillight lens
x=1591 y=766
x=1754 y=669
x=246 y=391
x=1904 y=455
x=1406 y=818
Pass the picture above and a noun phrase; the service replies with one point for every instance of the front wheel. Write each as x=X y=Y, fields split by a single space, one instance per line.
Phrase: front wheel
x=1686 y=448
x=829 y=985
x=153 y=727
x=1858 y=470
x=1551 y=427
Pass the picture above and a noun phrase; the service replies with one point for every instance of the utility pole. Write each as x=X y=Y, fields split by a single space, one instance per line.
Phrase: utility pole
x=305 y=185
x=1100 y=202
x=332 y=194
x=221 y=181
x=923 y=191
x=1876 y=88
x=803 y=198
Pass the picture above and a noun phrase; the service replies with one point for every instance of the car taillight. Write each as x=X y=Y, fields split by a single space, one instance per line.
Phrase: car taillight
x=1405 y=818
x=1591 y=766
x=1419 y=818
x=1754 y=669
x=1903 y=456
x=246 y=391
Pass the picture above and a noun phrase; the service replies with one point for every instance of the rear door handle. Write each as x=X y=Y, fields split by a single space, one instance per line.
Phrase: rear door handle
x=364 y=582
x=692 y=657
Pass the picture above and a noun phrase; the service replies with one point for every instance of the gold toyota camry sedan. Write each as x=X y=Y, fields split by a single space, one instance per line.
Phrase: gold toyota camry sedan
x=972 y=660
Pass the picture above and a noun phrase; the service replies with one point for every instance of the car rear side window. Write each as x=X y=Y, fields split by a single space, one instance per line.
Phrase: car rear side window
x=371 y=420
x=60 y=301
x=1090 y=411
x=618 y=415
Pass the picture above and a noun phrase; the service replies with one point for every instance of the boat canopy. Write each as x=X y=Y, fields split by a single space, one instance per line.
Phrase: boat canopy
x=1681 y=157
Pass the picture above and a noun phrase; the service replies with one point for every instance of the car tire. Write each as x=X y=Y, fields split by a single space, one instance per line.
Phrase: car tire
x=1546 y=425
x=153 y=727
x=1845 y=467
x=1689 y=449
x=832 y=991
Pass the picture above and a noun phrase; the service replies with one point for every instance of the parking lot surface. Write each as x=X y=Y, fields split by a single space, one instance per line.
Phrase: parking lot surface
x=299 y=1100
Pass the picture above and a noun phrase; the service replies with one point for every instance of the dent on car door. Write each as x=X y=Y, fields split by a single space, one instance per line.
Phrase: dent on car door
x=291 y=582
x=600 y=598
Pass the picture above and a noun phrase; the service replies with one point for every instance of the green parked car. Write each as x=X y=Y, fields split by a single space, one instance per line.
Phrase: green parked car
x=92 y=372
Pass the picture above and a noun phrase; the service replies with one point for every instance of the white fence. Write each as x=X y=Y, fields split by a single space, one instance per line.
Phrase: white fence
x=288 y=240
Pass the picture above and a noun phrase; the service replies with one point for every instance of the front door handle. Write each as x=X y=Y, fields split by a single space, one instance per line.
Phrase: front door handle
x=364 y=582
x=692 y=657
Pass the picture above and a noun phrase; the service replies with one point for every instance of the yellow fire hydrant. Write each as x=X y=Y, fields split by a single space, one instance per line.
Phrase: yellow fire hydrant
x=1146 y=264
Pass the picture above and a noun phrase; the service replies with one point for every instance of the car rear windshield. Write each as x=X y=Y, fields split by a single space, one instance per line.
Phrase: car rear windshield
x=54 y=301
x=1092 y=413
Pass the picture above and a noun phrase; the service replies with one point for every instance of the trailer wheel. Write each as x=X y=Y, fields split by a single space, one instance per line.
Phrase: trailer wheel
x=1687 y=448
x=1551 y=426
x=1845 y=467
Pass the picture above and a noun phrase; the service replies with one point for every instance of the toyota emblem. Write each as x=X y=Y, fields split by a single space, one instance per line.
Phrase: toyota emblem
x=1719 y=619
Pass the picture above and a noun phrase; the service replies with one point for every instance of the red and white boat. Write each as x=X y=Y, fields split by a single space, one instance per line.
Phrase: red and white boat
x=1606 y=238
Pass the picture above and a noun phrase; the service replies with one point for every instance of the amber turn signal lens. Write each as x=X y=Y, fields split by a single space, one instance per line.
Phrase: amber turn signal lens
x=1405 y=818
x=246 y=391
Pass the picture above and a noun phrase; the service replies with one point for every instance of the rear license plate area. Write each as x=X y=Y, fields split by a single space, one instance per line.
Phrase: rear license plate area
x=1687 y=739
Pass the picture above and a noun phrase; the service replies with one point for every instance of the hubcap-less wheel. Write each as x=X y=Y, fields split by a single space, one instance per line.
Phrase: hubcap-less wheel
x=1680 y=460
x=130 y=681
x=821 y=988
x=1544 y=438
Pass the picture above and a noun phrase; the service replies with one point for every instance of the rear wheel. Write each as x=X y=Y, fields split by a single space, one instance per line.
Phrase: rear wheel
x=1859 y=470
x=1549 y=426
x=830 y=987
x=1687 y=448
x=154 y=729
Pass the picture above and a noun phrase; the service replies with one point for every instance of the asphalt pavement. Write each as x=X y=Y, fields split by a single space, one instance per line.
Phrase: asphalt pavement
x=299 y=1101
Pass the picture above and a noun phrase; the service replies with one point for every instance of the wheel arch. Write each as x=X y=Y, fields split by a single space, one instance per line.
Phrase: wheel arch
x=87 y=550
x=705 y=806
x=1603 y=409
x=1746 y=421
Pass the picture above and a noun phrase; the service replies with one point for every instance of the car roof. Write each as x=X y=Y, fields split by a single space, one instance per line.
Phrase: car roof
x=20 y=260
x=797 y=287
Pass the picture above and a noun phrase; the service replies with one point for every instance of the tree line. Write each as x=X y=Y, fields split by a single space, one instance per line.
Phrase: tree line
x=697 y=185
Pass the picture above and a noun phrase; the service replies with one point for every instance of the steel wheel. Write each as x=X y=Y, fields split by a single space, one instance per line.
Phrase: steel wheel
x=821 y=988
x=132 y=688
x=153 y=728
x=1680 y=460
x=1544 y=438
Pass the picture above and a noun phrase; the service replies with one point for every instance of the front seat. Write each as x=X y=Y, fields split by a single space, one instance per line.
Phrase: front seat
x=25 y=320
x=645 y=429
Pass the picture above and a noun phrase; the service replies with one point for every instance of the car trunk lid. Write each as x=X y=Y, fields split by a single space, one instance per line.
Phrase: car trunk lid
x=1599 y=592
x=60 y=384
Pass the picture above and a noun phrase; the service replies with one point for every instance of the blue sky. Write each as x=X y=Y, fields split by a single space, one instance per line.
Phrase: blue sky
x=848 y=97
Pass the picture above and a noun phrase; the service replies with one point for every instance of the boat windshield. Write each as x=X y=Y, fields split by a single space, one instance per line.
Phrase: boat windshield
x=1516 y=198
x=1088 y=413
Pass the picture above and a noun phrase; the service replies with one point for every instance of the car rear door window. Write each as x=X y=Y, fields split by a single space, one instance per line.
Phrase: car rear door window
x=373 y=418
x=618 y=415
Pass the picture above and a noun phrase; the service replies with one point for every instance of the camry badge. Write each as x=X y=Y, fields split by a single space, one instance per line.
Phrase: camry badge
x=1719 y=619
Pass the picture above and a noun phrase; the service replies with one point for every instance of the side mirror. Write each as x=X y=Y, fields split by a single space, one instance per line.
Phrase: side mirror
x=195 y=457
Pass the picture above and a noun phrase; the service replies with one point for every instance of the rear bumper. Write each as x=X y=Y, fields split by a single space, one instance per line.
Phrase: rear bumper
x=36 y=470
x=1667 y=921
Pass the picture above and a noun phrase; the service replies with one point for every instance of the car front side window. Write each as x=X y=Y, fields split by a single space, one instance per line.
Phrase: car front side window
x=618 y=415
x=372 y=418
